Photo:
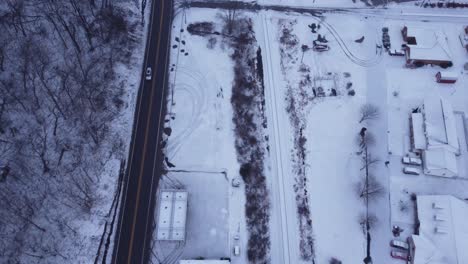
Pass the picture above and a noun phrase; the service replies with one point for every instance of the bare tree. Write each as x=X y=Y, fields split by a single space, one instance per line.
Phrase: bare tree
x=230 y=18
x=369 y=112
x=364 y=141
x=370 y=191
x=58 y=97
x=370 y=162
x=370 y=219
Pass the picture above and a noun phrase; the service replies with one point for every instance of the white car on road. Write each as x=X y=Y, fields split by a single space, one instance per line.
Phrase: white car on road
x=148 y=73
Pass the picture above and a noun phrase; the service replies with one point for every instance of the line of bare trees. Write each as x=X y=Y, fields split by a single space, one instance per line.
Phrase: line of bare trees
x=58 y=99
x=368 y=188
x=248 y=102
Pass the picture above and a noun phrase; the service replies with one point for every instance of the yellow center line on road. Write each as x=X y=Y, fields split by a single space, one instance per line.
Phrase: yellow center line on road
x=137 y=120
x=158 y=134
x=132 y=234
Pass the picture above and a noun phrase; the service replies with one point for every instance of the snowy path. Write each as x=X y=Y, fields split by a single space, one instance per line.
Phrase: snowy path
x=277 y=170
x=377 y=95
x=282 y=180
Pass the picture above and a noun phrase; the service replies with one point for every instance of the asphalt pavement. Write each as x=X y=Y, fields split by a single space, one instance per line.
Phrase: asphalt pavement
x=134 y=231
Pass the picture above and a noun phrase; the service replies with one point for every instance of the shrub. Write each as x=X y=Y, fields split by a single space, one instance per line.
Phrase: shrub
x=334 y=260
x=201 y=28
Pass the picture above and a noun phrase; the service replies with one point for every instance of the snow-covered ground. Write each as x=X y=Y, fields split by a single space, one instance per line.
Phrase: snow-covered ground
x=202 y=139
x=314 y=3
x=332 y=167
x=202 y=130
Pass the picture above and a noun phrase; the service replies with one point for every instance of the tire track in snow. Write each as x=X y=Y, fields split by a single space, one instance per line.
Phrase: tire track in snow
x=362 y=62
x=196 y=90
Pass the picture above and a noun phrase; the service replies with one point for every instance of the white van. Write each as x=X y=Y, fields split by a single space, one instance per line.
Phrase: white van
x=411 y=170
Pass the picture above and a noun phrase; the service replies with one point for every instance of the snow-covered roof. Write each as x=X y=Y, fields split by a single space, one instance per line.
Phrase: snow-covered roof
x=432 y=53
x=172 y=214
x=440 y=162
x=449 y=75
x=443 y=230
x=419 y=139
x=439 y=121
x=424 y=36
x=426 y=252
x=431 y=45
x=204 y=261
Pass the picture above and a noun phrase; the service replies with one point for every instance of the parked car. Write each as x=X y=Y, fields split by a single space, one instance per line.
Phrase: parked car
x=396 y=53
x=399 y=244
x=148 y=73
x=411 y=170
x=400 y=255
x=321 y=47
x=236 y=250
x=411 y=161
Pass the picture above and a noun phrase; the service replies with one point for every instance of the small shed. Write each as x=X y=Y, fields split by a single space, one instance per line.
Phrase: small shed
x=446 y=77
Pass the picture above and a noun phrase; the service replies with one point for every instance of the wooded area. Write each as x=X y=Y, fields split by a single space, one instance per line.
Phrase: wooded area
x=59 y=96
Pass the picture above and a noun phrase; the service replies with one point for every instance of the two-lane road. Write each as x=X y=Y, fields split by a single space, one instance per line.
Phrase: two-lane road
x=134 y=232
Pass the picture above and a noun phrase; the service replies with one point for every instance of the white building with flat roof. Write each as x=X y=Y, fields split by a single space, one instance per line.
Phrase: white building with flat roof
x=434 y=134
x=443 y=231
x=172 y=215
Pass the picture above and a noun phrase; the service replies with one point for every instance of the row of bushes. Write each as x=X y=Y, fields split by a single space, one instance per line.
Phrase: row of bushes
x=249 y=120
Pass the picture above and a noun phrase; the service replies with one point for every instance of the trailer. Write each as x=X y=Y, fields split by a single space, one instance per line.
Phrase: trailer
x=446 y=77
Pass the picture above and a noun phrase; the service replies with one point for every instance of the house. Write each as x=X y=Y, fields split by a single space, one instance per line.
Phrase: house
x=172 y=214
x=434 y=135
x=442 y=235
x=425 y=46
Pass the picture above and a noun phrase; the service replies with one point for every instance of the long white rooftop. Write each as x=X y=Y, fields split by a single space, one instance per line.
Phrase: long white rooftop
x=172 y=215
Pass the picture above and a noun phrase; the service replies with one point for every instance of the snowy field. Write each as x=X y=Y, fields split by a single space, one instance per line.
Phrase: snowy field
x=202 y=142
